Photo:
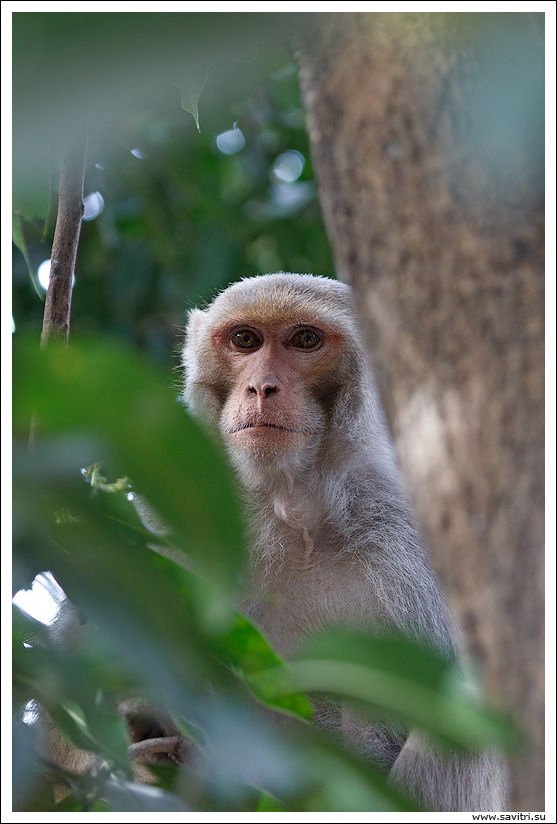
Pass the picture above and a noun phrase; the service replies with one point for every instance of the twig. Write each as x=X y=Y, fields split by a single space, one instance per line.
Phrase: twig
x=56 y=320
x=151 y=746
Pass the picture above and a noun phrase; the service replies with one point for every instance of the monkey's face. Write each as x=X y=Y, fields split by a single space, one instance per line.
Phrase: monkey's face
x=271 y=363
x=272 y=409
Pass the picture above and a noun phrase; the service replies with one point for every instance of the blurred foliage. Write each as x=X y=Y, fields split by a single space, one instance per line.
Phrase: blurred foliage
x=147 y=626
x=181 y=218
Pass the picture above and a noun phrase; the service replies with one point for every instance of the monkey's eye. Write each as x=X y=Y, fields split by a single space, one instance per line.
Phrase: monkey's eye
x=306 y=339
x=246 y=339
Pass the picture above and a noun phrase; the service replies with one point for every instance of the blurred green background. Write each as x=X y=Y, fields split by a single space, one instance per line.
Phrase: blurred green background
x=172 y=214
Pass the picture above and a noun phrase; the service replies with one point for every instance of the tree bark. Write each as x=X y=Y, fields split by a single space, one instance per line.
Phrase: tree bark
x=435 y=218
x=56 y=319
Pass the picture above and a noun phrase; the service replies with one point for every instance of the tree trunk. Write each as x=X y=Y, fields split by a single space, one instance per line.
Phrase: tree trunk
x=430 y=170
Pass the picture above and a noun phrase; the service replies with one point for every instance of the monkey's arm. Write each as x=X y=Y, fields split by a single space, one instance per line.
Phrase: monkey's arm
x=451 y=782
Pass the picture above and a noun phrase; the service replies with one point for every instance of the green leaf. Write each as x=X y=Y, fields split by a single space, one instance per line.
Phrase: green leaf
x=19 y=239
x=25 y=762
x=394 y=678
x=269 y=804
x=63 y=685
x=246 y=651
x=31 y=194
x=90 y=734
x=336 y=780
x=191 y=731
x=128 y=796
x=101 y=389
x=71 y=804
x=346 y=784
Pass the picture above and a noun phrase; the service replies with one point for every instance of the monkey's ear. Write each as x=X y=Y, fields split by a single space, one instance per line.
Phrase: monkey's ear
x=195 y=320
x=196 y=332
x=196 y=352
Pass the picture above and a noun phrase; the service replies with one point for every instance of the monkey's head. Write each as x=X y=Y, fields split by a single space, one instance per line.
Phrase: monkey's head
x=275 y=364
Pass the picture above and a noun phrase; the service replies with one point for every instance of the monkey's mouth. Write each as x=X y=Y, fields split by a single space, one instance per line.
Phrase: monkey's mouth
x=244 y=426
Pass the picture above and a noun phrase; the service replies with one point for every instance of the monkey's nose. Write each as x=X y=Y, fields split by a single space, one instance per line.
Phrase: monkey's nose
x=263 y=390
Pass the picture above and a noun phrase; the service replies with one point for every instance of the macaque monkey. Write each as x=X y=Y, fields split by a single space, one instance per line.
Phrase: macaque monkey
x=277 y=367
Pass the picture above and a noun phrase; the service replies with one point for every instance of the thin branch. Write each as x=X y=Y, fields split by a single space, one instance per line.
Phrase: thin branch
x=56 y=320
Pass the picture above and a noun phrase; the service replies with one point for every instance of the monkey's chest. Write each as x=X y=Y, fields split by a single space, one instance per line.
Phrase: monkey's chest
x=303 y=599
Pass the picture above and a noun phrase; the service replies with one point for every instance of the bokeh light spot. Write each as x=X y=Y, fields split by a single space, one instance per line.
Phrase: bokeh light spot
x=43 y=275
x=289 y=166
x=231 y=142
x=93 y=205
